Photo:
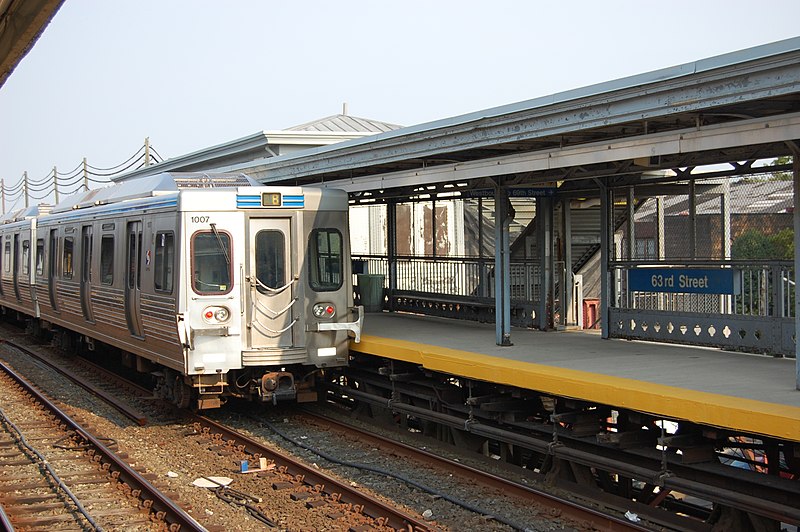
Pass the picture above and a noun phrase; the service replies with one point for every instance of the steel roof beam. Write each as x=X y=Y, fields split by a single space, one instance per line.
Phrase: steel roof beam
x=724 y=136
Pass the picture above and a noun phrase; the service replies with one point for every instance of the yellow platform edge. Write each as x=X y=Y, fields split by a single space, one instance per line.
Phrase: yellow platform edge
x=723 y=411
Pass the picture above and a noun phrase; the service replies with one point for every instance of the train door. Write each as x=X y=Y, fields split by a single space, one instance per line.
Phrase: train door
x=52 y=262
x=133 y=278
x=272 y=284
x=86 y=272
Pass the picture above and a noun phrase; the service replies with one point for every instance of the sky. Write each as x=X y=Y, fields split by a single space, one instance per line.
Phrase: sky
x=190 y=74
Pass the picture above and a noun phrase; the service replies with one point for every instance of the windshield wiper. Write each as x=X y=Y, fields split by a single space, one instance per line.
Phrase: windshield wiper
x=221 y=244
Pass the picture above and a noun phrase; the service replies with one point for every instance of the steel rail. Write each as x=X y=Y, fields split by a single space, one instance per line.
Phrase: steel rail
x=588 y=517
x=149 y=495
x=717 y=493
x=372 y=507
x=124 y=408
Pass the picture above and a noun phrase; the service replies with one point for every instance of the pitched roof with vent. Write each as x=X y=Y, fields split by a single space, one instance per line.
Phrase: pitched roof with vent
x=346 y=124
x=256 y=147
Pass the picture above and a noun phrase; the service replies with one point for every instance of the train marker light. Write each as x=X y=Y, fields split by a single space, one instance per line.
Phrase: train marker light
x=216 y=314
x=324 y=310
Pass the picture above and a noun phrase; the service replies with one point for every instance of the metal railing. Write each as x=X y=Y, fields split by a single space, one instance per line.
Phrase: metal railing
x=767 y=289
x=758 y=318
x=457 y=276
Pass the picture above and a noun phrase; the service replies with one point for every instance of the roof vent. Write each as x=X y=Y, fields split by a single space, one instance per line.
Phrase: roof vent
x=203 y=180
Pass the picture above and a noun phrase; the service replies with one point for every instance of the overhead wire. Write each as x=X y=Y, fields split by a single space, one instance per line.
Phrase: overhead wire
x=39 y=181
x=78 y=179
x=35 y=197
x=69 y=175
x=76 y=169
x=132 y=157
x=81 y=175
x=153 y=150
x=18 y=186
x=102 y=182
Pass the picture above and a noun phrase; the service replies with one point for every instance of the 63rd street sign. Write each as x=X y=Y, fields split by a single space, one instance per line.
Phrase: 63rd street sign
x=685 y=280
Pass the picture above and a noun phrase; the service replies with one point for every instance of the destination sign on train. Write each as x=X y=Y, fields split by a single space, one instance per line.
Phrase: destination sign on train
x=685 y=280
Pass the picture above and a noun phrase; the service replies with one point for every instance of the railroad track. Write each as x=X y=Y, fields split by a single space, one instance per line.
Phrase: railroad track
x=581 y=517
x=305 y=486
x=57 y=474
x=349 y=506
x=636 y=470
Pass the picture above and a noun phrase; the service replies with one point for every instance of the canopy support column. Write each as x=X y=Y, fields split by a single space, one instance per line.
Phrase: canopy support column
x=606 y=218
x=504 y=213
x=796 y=215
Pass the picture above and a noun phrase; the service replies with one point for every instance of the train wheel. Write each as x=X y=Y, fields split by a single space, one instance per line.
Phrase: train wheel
x=182 y=393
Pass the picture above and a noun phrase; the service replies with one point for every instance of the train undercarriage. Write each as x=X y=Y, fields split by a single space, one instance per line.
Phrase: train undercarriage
x=200 y=392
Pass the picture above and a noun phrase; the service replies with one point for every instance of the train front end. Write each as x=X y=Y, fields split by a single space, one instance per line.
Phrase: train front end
x=274 y=278
x=298 y=294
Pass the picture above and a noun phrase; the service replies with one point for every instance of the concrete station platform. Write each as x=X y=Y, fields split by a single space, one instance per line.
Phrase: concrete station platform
x=743 y=392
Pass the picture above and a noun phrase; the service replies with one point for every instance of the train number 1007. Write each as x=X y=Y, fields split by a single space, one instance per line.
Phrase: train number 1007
x=199 y=219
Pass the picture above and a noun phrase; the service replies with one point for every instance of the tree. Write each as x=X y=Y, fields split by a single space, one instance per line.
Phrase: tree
x=753 y=244
x=781 y=176
x=783 y=244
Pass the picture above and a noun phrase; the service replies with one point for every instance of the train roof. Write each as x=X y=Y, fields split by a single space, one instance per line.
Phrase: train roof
x=155 y=185
x=25 y=213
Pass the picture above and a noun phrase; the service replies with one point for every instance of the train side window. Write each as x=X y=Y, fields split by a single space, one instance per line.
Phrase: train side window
x=40 y=256
x=165 y=261
x=7 y=255
x=107 y=259
x=325 y=260
x=211 y=262
x=26 y=257
x=66 y=258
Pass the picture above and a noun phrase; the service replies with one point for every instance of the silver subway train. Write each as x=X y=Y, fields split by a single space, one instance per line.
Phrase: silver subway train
x=213 y=283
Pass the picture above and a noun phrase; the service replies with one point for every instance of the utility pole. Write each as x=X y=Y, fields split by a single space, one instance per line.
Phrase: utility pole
x=55 y=183
x=85 y=175
x=25 y=184
x=147 y=151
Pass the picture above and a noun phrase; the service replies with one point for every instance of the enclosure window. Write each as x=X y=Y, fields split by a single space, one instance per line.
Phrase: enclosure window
x=7 y=255
x=40 y=256
x=165 y=261
x=66 y=258
x=86 y=267
x=26 y=257
x=325 y=260
x=134 y=257
x=270 y=260
x=107 y=259
x=211 y=262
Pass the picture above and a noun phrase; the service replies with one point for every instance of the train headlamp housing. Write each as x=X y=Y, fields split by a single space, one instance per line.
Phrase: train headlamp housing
x=216 y=315
x=324 y=310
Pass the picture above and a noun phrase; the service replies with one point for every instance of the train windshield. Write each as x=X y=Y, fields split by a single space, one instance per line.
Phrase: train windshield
x=211 y=263
x=326 y=260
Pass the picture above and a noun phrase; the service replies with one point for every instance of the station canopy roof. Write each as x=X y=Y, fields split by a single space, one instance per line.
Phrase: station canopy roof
x=21 y=24
x=741 y=106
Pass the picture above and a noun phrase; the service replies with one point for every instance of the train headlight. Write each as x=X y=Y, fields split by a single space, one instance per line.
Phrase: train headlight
x=216 y=314
x=324 y=310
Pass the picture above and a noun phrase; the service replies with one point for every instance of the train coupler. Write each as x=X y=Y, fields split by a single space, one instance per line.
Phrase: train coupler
x=277 y=386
